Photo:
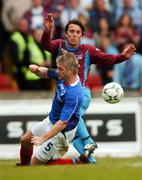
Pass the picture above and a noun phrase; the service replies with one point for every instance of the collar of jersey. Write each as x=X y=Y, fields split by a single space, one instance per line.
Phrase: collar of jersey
x=69 y=48
x=76 y=82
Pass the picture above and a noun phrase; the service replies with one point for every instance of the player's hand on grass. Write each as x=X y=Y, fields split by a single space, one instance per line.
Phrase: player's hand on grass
x=129 y=51
x=37 y=140
x=49 y=22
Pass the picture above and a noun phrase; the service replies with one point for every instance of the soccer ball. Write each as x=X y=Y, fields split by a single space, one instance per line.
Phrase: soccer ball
x=112 y=92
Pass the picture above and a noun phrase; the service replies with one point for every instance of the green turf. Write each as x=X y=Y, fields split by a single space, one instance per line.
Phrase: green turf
x=106 y=169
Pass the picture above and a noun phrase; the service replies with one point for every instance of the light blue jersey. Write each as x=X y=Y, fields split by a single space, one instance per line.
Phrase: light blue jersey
x=67 y=102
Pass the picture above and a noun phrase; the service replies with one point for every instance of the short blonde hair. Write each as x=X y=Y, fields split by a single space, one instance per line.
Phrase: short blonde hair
x=68 y=60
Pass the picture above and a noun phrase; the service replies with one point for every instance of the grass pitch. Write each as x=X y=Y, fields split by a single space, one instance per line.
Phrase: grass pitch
x=106 y=169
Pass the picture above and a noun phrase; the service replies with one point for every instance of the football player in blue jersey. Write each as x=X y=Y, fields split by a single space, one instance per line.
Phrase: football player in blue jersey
x=53 y=135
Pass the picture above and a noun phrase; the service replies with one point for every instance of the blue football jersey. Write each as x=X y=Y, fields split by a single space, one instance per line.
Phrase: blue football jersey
x=67 y=102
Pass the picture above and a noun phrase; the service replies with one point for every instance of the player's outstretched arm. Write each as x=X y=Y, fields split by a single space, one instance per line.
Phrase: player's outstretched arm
x=129 y=51
x=39 y=71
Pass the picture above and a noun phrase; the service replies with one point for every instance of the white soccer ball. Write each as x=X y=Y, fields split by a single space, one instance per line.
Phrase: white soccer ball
x=112 y=92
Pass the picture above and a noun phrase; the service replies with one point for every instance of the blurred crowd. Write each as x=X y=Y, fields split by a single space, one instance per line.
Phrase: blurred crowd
x=110 y=26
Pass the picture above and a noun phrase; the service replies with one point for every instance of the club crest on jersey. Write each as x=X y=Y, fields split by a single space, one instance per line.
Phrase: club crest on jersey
x=60 y=91
x=78 y=56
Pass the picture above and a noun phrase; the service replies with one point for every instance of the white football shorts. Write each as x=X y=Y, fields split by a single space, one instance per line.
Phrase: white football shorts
x=55 y=147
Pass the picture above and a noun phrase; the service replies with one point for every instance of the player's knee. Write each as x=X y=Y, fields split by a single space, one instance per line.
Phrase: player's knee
x=35 y=161
x=25 y=140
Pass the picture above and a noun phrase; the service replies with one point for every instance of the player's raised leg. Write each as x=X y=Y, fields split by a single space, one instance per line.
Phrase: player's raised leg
x=84 y=139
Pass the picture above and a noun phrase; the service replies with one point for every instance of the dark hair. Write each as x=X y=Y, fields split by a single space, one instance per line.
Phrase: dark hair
x=75 y=21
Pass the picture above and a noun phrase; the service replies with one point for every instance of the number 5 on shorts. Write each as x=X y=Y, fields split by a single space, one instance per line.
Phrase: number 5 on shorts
x=48 y=146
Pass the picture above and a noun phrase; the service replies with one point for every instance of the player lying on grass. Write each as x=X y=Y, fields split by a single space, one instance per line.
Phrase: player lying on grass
x=53 y=135
x=86 y=55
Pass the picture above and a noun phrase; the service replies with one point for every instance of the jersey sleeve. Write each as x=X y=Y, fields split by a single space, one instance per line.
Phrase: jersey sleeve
x=99 y=57
x=52 y=73
x=70 y=106
x=48 y=44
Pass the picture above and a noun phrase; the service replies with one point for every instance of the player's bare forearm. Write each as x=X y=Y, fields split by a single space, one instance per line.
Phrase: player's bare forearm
x=59 y=126
x=39 y=71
